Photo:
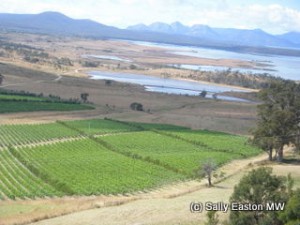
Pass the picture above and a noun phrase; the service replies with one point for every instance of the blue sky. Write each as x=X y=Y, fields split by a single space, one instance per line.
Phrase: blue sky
x=277 y=16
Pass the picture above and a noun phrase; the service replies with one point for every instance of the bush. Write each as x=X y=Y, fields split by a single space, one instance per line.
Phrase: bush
x=203 y=94
x=136 y=106
x=133 y=67
x=108 y=82
x=89 y=64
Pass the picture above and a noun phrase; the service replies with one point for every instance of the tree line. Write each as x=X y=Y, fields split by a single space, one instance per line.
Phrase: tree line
x=236 y=78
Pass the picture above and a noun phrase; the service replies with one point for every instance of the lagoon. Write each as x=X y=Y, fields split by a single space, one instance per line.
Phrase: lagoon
x=107 y=57
x=169 y=85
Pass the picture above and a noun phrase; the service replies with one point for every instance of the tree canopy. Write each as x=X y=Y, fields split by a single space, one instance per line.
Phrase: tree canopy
x=258 y=187
x=278 y=118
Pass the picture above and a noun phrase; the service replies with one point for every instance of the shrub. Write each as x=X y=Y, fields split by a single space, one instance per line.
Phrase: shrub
x=136 y=106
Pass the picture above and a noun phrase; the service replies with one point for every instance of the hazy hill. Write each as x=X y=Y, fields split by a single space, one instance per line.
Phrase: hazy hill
x=243 y=37
x=57 y=23
x=293 y=37
x=53 y=22
x=175 y=33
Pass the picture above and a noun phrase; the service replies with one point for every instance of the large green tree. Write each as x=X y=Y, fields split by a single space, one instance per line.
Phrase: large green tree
x=258 y=187
x=278 y=118
x=84 y=96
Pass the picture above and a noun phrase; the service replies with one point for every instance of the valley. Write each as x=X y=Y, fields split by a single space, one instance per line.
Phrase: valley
x=85 y=138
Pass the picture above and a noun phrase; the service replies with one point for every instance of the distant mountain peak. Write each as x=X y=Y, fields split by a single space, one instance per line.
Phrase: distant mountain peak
x=177 y=23
x=234 y=36
x=51 y=14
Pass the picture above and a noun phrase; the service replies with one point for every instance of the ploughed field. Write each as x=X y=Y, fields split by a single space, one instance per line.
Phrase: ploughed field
x=94 y=157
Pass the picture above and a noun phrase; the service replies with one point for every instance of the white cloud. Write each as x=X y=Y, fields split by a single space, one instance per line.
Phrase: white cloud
x=272 y=18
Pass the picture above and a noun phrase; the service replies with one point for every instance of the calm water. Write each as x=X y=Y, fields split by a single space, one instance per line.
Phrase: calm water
x=285 y=66
x=167 y=85
x=109 y=57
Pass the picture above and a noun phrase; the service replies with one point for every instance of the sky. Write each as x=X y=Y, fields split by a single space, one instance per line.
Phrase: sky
x=276 y=17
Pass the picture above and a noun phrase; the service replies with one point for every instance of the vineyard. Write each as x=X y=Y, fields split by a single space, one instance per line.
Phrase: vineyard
x=33 y=106
x=178 y=154
x=94 y=157
x=26 y=134
x=27 y=103
x=98 y=127
x=217 y=141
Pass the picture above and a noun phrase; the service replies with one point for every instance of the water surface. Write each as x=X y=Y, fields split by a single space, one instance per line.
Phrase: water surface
x=287 y=67
x=168 y=85
x=109 y=57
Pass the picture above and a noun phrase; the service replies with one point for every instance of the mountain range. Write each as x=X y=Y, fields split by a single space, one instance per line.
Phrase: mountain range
x=256 y=37
x=176 y=33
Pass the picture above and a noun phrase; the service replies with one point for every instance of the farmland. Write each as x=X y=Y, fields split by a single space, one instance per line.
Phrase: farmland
x=107 y=157
x=178 y=154
x=97 y=127
x=14 y=106
x=217 y=141
x=12 y=103
x=21 y=134
x=84 y=167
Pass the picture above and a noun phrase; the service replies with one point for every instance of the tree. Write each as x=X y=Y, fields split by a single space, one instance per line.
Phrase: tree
x=89 y=64
x=1 y=78
x=278 y=117
x=136 y=106
x=133 y=67
x=84 y=96
x=291 y=214
x=215 y=96
x=108 y=82
x=203 y=94
x=258 y=187
x=206 y=169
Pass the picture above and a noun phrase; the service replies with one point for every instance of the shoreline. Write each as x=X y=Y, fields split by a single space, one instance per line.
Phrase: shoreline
x=86 y=74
